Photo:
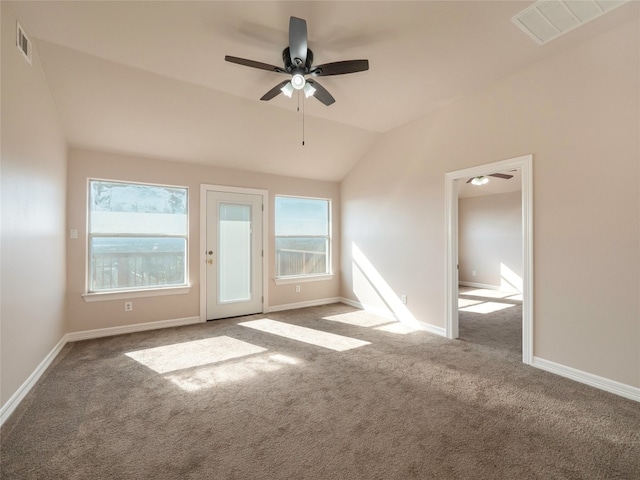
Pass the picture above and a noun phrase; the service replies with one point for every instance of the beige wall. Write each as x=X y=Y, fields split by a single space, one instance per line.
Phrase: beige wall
x=490 y=240
x=577 y=113
x=33 y=215
x=84 y=164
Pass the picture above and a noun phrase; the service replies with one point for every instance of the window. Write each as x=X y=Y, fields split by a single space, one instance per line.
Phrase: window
x=302 y=236
x=137 y=236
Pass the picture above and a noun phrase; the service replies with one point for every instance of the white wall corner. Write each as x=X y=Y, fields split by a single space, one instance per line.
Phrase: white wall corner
x=13 y=402
x=427 y=327
x=9 y=407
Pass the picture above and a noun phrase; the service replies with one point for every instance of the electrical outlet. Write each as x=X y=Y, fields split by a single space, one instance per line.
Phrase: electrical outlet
x=128 y=306
x=73 y=233
x=473 y=273
x=297 y=288
x=404 y=299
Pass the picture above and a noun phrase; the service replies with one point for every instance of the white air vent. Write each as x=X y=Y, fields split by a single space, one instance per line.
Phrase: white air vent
x=23 y=43
x=548 y=19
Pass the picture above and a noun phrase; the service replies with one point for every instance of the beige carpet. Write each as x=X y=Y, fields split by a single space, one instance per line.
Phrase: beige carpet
x=490 y=318
x=251 y=399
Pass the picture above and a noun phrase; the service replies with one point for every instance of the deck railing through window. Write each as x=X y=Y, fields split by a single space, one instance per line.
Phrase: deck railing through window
x=300 y=262
x=127 y=270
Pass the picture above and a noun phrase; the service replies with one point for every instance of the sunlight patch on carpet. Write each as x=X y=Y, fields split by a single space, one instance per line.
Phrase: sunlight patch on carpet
x=487 y=307
x=306 y=335
x=398 y=328
x=243 y=369
x=184 y=355
x=358 y=319
x=466 y=302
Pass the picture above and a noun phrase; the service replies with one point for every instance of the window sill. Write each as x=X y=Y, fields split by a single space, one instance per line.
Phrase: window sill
x=155 y=292
x=303 y=278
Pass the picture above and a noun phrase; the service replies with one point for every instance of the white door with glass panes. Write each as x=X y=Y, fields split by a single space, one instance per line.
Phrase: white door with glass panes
x=233 y=254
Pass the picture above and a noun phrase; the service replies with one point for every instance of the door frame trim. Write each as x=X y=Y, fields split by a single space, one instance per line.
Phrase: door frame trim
x=524 y=164
x=204 y=188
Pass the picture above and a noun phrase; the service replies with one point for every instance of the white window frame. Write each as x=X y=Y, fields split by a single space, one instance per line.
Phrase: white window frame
x=134 y=292
x=307 y=277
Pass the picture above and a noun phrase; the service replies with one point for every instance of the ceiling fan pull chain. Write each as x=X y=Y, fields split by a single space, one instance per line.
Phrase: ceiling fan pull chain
x=303 y=121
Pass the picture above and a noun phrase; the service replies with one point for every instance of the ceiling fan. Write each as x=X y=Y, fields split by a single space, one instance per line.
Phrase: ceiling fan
x=298 y=63
x=482 y=179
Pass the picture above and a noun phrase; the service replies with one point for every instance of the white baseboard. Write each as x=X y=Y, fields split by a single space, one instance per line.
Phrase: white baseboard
x=8 y=408
x=379 y=312
x=617 y=388
x=138 y=327
x=427 y=327
x=611 y=386
x=483 y=286
x=310 y=303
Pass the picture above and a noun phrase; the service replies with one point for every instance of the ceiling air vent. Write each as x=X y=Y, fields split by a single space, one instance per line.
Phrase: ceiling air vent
x=23 y=43
x=548 y=19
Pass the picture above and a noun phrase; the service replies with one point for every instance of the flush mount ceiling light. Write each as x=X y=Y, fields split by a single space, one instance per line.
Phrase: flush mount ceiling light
x=481 y=180
x=548 y=19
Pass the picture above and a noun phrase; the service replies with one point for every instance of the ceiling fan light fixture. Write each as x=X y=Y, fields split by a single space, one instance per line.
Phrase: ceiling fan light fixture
x=298 y=81
x=308 y=90
x=287 y=89
x=298 y=63
x=481 y=180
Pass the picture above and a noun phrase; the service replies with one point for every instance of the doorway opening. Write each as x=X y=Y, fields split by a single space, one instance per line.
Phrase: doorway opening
x=453 y=180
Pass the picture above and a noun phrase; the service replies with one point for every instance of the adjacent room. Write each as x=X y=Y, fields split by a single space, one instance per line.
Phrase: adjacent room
x=490 y=250
x=341 y=239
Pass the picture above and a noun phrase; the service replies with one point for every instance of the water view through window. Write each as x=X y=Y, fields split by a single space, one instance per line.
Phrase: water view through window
x=137 y=236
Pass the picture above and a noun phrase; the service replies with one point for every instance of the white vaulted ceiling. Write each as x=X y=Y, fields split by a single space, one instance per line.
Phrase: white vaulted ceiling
x=149 y=78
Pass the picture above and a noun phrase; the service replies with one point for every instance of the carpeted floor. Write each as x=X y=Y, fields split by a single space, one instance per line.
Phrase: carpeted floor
x=490 y=318
x=224 y=400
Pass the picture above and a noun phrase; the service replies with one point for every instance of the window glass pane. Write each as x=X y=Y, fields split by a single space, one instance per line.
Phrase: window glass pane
x=130 y=262
x=302 y=236
x=137 y=236
x=137 y=209
x=234 y=253
x=302 y=216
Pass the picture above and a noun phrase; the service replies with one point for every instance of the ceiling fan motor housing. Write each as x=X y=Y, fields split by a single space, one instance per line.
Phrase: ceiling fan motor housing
x=290 y=67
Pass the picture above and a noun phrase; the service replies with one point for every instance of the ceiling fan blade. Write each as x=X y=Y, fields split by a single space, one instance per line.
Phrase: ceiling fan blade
x=254 y=64
x=275 y=91
x=501 y=175
x=321 y=93
x=298 y=41
x=340 y=68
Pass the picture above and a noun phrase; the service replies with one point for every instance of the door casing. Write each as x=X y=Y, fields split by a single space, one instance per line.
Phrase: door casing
x=204 y=188
x=524 y=164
